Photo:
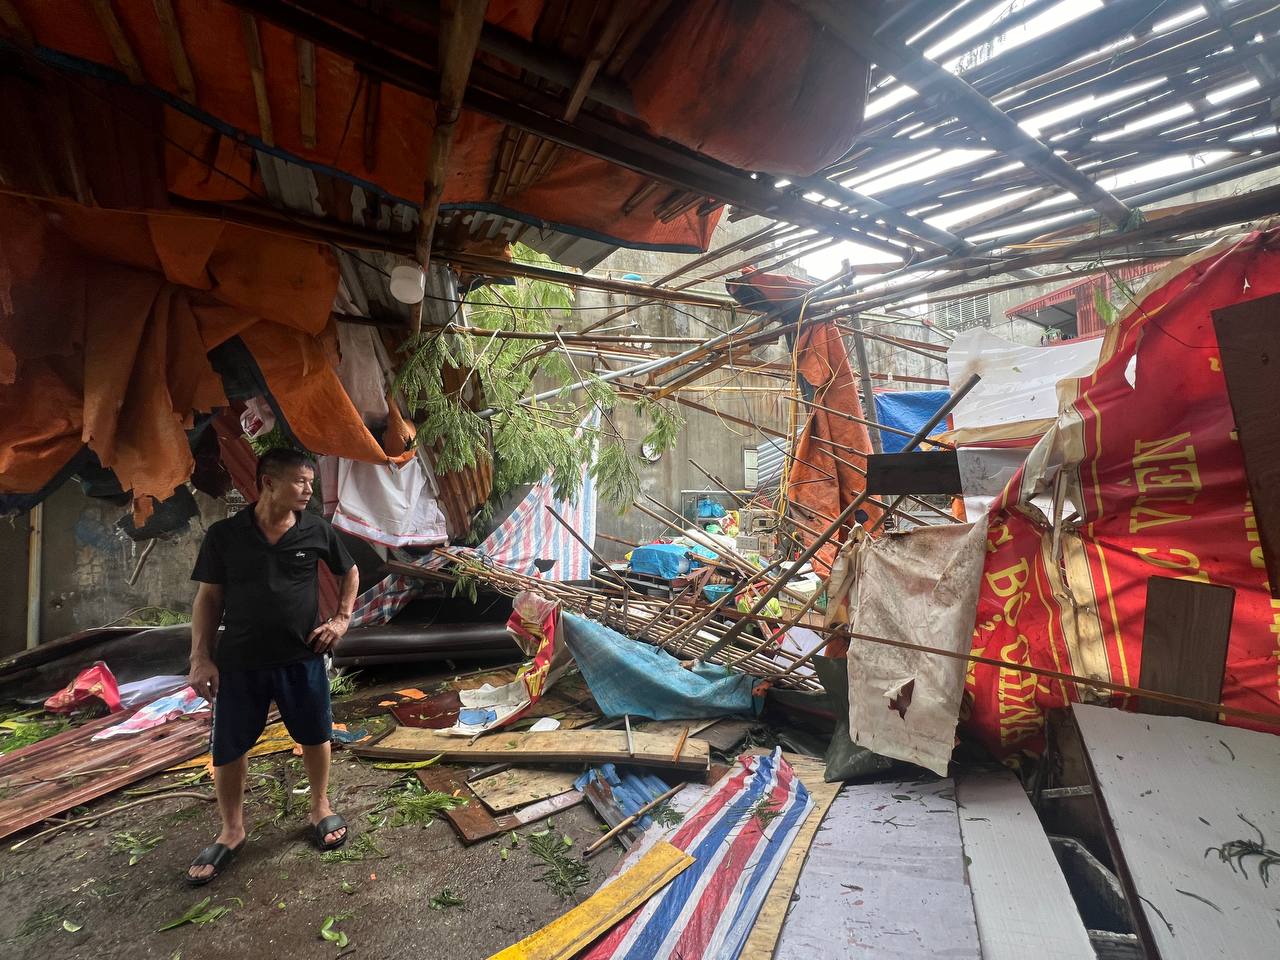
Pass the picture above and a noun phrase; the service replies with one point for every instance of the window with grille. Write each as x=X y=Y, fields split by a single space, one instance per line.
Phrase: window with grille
x=963 y=312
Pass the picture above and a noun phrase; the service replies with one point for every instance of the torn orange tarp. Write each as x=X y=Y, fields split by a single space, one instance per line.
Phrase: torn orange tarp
x=105 y=320
x=686 y=73
x=828 y=471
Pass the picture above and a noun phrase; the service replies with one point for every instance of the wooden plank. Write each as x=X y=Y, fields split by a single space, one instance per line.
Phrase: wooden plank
x=570 y=934
x=763 y=938
x=1184 y=644
x=474 y=822
x=1170 y=789
x=886 y=878
x=307 y=92
x=519 y=786
x=931 y=473
x=177 y=52
x=120 y=45
x=1248 y=340
x=558 y=746
x=258 y=74
x=1020 y=896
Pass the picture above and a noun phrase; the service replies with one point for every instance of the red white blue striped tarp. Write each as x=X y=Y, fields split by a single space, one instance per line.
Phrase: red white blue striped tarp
x=738 y=833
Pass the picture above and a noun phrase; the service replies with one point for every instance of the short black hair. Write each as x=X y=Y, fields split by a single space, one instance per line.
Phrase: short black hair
x=276 y=461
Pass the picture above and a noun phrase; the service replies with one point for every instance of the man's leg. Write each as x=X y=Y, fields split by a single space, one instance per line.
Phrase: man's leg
x=316 y=759
x=239 y=716
x=302 y=695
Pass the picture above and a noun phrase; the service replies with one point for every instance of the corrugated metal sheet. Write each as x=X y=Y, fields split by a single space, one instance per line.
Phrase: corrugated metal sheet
x=770 y=456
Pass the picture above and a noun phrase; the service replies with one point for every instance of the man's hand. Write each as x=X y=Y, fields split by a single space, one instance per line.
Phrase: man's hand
x=204 y=678
x=328 y=633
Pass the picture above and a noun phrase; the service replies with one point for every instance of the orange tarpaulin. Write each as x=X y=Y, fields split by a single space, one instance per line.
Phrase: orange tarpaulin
x=105 y=320
x=828 y=472
x=687 y=79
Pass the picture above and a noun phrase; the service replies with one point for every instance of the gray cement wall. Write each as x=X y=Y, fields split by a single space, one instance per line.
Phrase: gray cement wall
x=86 y=565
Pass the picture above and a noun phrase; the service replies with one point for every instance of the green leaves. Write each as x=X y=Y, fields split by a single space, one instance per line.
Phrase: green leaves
x=199 y=914
x=407 y=764
x=329 y=932
x=445 y=899
x=564 y=874
x=665 y=424
x=71 y=927
x=136 y=845
x=615 y=474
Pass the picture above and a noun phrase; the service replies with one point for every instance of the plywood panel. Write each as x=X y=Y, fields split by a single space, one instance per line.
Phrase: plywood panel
x=1184 y=643
x=520 y=785
x=559 y=746
x=1249 y=347
x=885 y=879
x=1020 y=896
x=1173 y=788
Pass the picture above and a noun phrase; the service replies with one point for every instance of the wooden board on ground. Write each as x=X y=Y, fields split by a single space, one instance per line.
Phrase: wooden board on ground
x=1020 y=896
x=558 y=746
x=763 y=938
x=475 y=823
x=885 y=878
x=1184 y=644
x=570 y=934
x=521 y=785
x=1171 y=789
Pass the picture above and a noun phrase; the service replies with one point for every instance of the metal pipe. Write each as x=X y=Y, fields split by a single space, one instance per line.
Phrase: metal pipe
x=35 y=566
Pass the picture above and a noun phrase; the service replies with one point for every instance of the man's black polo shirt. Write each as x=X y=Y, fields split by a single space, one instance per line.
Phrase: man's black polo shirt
x=271 y=591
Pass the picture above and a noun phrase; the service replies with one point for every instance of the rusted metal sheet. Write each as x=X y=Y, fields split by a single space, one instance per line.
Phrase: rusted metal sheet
x=70 y=769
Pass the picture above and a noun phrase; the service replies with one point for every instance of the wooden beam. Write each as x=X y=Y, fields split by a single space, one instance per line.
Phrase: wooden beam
x=258 y=73
x=177 y=52
x=1248 y=341
x=1184 y=644
x=619 y=17
x=120 y=46
x=460 y=24
x=932 y=82
x=307 y=92
x=934 y=473
x=372 y=107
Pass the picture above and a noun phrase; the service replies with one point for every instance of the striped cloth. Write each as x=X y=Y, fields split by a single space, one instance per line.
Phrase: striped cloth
x=739 y=844
x=530 y=533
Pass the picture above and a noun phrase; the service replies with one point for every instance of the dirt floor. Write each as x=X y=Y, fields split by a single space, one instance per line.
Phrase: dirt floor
x=75 y=895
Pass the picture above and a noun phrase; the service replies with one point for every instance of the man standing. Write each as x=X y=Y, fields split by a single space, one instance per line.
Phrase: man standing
x=257 y=576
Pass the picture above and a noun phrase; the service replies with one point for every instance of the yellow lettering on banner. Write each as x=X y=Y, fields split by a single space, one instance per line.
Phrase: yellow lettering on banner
x=1143 y=516
x=1186 y=563
x=1215 y=364
x=1009 y=583
x=995 y=539
x=1149 y=451
x=970 y=678
x=1164 y=471
x=1020 y=714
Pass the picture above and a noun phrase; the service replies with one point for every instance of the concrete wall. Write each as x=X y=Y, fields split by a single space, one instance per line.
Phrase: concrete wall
x=87 y=564
x=716 y=444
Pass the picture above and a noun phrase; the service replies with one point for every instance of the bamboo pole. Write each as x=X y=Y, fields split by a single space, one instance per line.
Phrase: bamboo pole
x=812 y=551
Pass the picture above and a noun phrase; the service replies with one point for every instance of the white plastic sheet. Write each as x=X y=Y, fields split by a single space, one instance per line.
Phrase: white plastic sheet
x=920 y=587
x=1017 y=396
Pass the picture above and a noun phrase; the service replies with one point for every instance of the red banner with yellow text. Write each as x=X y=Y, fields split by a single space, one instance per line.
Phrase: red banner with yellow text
x=1141 y=476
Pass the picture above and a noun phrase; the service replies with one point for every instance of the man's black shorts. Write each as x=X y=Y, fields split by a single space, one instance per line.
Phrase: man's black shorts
x=300 y=691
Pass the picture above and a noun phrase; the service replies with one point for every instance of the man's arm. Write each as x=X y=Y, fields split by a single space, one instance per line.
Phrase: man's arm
x=206 y=615
x=330 y=632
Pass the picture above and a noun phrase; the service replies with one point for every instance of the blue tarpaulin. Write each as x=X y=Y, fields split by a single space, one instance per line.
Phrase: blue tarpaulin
x=627 y=676
x=631 y=788
x=909 y=410
x=666 y=560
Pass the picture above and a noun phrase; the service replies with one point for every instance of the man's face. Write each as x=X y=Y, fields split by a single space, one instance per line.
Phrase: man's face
x=291 y=488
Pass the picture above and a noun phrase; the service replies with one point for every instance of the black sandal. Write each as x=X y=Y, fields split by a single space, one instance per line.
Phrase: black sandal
x=330 y=824
x=218 y=856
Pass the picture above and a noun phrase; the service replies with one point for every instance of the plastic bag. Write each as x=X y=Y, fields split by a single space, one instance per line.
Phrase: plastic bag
x=94 y=683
